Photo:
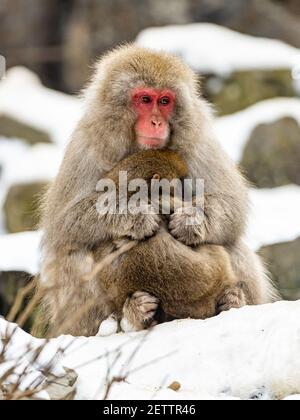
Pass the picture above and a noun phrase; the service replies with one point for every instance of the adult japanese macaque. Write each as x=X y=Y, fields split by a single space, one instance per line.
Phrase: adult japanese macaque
x=140 y=100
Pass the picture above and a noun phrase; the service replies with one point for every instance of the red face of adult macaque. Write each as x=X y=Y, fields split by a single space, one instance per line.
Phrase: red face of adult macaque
x=154 y=109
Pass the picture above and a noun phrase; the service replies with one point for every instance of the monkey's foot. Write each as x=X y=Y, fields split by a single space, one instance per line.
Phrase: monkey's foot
x=139 y=312
x=187 y=225
x=108 y=327
x=232 y=298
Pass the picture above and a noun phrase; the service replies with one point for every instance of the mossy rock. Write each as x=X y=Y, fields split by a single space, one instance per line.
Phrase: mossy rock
x=283 y=261
x=242 y=89
x=12 y=128
x=271 y=157
x=21 y=207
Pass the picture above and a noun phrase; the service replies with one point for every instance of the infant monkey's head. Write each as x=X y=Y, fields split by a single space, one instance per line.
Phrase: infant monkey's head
x=153 y=164
x=169 y=164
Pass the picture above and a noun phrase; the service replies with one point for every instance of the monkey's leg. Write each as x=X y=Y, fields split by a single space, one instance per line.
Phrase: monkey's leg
x=72 y=304
x=139 y=312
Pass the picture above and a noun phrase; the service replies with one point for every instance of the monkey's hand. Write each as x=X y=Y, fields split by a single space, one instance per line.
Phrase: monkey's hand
x=144 y=223
x=136 y=223
x=233 y=297
x=187 y=225
x=139 y=312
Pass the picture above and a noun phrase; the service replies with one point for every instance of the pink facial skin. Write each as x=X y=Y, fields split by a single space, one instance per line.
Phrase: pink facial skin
x=153 y=108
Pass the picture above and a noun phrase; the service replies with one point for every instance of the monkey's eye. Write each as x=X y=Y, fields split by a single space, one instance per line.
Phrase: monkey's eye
x=164 y=100
x=146 y=99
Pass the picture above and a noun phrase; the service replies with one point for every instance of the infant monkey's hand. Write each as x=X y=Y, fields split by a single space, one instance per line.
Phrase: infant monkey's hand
x=145 y=223
x=187 y=225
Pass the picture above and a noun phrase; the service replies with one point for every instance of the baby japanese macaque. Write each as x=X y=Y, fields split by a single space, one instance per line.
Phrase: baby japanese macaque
x=184 y=281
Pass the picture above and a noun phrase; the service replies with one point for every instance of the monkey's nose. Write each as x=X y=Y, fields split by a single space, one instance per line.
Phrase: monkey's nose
x=156 y=123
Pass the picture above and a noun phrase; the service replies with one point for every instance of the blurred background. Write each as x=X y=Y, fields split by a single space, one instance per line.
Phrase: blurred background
x=247 y=55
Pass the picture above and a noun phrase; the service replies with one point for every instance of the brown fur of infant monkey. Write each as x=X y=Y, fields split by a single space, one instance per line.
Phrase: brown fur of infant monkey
x=187 y=282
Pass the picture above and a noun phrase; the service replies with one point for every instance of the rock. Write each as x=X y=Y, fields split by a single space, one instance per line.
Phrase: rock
x=244 y=88
x=63 y=388
x=108 y=23
x=267 y=18
x=10 y=283
x=175 y=386
x=272 y=155
x=11 y=128
x=283 y=263
x=94 y=27
x=21 y=206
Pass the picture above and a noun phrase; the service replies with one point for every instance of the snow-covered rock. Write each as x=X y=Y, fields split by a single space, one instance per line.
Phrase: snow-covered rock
x=233 y=131
x=250 y=353
x=197 y=44
x=22 y=163
x=274 y=216
x=23 y=97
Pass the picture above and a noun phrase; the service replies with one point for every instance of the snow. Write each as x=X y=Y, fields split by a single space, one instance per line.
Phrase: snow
x=274 y=216
x=22 y=163
x=20 y=252
x=20 y=358
x=23 y=97
x=234 y=130
x=248 y=353
x=197 y=45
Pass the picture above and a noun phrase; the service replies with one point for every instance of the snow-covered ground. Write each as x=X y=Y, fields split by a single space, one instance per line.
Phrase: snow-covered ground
x=250 y=353
x=196 y=44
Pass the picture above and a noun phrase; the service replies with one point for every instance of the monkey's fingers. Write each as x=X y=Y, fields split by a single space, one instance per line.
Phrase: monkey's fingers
x=187 y=229
x=146 y=303
x=232 y=298
x=139 y=311
x=144 y=297
x=145 y=224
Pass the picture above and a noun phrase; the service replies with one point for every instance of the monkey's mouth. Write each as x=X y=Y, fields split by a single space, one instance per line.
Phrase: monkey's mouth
x=151 y=142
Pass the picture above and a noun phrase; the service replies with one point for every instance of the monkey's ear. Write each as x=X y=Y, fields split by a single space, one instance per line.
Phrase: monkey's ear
x=156 y=176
